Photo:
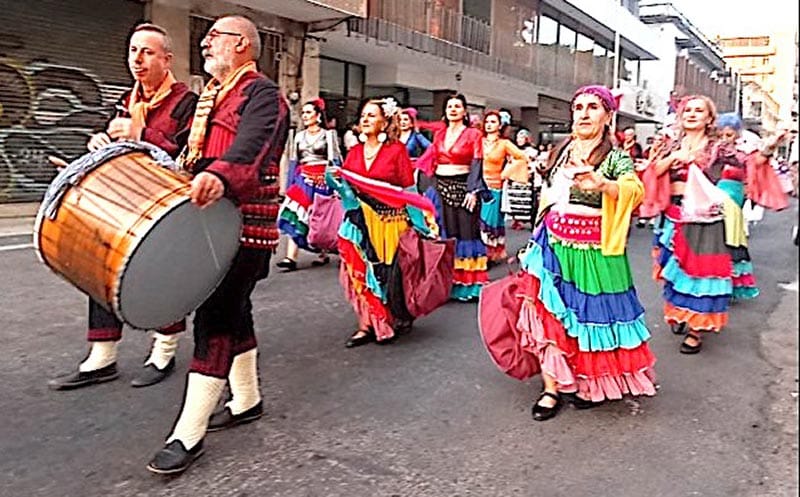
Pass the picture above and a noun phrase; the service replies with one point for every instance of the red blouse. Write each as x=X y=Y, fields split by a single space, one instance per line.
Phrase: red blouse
x=467 y=147
x=391 y=165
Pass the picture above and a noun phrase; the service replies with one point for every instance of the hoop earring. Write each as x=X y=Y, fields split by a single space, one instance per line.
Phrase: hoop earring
x=382 y=137
x=362 y=138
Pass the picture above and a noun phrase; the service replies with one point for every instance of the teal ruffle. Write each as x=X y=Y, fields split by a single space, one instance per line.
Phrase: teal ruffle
x=742 y=267
x=465 y=292
x=350 y=232
x=745 y=292
x=698 y=287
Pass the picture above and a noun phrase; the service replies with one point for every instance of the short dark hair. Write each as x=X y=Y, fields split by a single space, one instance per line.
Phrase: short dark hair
x=155 y=28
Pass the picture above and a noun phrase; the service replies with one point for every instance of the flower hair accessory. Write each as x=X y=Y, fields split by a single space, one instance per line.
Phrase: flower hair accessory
x=389 y=107
x=505 y=117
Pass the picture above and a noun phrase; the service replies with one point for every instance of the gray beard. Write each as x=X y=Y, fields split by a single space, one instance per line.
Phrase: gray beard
x=216 y=69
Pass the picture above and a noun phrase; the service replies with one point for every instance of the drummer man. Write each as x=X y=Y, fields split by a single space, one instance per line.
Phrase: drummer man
x=155 y=110
x=236 y=141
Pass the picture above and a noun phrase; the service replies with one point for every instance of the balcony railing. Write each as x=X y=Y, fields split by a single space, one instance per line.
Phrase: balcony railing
x=428 y=27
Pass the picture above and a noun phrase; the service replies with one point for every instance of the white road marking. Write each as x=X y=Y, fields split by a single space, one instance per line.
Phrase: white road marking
x=16 y=247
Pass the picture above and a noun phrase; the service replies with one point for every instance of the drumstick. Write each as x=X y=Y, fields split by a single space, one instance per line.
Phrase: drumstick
x=208 y=239
x=58 y=162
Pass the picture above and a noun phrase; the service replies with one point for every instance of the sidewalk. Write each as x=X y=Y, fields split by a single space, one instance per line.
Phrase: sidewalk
x=17 y=218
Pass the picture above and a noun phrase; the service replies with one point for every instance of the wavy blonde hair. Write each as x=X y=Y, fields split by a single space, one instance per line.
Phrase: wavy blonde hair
x=392 y=123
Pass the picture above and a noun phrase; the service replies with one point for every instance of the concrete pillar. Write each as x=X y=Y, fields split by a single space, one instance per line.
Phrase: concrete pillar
x=311 y=71
x=173 y=15
x=529 y=118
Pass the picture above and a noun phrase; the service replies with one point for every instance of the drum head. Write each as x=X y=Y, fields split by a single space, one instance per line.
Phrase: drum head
x=178 y=264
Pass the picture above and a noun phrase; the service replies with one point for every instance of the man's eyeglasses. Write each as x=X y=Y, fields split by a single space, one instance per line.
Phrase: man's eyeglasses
x=214 y=33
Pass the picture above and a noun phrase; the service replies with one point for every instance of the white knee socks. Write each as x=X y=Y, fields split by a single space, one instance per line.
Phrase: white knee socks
x=202 y=395
x=100 y=355
x=164 y=347
x=243 y=380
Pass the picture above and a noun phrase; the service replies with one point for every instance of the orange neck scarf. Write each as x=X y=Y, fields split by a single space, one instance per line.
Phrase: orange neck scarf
x=138 y=108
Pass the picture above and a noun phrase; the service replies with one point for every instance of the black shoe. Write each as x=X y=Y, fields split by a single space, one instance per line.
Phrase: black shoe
x=357 y=341
x=150 y=374
x=224 y=419
x=287 y=264
x=678 y=329
x=685 y=348
x=641 y=223
x=542 y=413
x=174 y=458
x=80 y=379
x=403 y=327
x=322 y=261
x=581 y=403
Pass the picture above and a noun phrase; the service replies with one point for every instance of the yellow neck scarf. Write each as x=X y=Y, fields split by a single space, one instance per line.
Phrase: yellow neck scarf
x=213 y=93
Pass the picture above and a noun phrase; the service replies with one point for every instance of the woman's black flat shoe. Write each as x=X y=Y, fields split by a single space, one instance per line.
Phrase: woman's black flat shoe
x=581 y=403
x=358 y=340
x=321 y=262
x=691 y=349
x=287 y=264
x=543 y=413
x=679 y=329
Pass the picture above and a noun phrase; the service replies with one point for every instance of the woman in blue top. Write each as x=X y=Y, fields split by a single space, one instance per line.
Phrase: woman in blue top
x=415 y=142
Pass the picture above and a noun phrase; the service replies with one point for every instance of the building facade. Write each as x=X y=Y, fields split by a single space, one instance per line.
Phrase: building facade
x=62 y=70
x=770 y=62
x=699 y=66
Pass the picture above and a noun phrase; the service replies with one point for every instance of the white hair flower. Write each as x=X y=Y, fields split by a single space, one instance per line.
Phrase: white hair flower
x=389 y=107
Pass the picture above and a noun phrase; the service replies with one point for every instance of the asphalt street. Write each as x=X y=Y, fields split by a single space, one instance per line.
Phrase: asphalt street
x=427 y=416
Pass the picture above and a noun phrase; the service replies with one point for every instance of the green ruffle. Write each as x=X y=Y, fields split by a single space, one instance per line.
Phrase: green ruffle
x=592 y=272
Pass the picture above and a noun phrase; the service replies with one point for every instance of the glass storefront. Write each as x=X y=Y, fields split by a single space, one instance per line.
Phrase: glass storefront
x=342 y=86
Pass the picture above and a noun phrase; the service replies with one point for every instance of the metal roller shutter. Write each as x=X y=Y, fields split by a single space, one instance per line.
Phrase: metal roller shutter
x=62 y=66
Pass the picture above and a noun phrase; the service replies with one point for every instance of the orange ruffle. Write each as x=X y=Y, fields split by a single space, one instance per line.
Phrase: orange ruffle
x=709 y=321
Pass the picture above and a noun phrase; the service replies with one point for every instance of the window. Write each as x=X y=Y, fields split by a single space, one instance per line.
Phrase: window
x=548 y=31
x=630 y=71
x=599 y=50
x=585 y=44
x=341 y=85
x=479 y=9
x=332 y=77
x=566 y=37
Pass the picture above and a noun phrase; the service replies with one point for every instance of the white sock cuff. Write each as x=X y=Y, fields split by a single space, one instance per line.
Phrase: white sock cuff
x=100 y=355
x=200 y=399
x=243 y=380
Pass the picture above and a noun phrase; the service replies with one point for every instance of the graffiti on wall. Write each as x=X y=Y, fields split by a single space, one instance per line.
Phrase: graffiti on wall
x=45 y=109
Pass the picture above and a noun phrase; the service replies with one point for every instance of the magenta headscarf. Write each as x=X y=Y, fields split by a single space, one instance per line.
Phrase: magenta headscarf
x=412 y=113
x=601 y=92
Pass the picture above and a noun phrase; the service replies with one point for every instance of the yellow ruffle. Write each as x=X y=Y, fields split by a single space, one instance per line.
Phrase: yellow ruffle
x=735 y=235
x=617 y=214
x=472 y=264
x=384 y=232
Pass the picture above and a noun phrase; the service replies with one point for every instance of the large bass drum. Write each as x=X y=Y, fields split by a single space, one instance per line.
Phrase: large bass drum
x=119 y=225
